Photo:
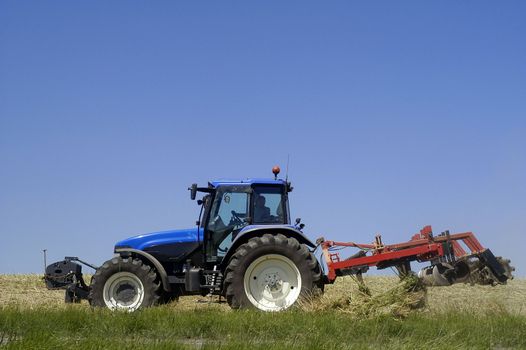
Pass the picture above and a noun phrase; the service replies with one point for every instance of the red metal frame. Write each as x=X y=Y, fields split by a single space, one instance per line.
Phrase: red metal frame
x=423 y=246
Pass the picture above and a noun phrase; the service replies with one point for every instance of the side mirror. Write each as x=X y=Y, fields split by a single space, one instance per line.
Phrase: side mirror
x=193 y=191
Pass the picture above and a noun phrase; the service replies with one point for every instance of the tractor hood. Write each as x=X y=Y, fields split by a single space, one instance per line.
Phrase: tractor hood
x=142 y=242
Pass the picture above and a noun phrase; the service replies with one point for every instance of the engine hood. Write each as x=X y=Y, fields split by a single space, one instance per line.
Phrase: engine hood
x=144 y=241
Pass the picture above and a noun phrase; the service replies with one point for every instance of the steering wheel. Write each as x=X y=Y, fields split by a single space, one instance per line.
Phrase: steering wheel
x=236 y=219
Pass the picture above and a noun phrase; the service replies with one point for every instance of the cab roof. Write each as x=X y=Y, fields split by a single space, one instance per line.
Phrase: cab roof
x=251 y=181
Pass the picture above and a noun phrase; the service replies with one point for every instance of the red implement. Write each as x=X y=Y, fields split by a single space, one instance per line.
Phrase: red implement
x=450 y=262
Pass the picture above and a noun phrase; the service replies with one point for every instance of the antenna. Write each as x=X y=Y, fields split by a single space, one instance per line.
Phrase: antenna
x=287 y=171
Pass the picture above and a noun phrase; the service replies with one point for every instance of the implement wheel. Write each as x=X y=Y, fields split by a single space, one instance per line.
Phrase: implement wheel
x=271 y=273
x=124 y=284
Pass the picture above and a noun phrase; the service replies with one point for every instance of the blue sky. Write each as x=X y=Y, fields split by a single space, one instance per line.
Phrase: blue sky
x=395 y=115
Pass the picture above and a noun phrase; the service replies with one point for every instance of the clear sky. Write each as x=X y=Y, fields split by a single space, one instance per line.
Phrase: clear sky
x=396 y=114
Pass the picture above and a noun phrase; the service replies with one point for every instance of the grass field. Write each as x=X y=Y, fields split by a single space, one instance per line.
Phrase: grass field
x=457 y=317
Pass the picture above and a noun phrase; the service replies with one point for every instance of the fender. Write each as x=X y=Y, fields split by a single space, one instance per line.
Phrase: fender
x=245 y=235
x=152 y=260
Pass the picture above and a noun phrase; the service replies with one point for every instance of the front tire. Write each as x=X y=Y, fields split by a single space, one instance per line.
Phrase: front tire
x=124 y=284
x=271 y=273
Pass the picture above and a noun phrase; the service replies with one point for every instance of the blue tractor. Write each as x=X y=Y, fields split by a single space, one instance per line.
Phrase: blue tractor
x=244 y=247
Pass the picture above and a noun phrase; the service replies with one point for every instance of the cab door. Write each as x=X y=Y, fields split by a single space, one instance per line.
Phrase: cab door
x=229 y=213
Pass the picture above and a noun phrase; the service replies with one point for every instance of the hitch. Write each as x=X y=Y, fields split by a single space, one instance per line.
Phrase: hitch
x=67 y=274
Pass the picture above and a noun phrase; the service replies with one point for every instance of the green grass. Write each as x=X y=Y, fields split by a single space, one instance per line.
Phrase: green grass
x=165 y=328
x=457 y=317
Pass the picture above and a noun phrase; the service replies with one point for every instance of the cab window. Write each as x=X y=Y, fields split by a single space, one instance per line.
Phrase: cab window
x=269 y=205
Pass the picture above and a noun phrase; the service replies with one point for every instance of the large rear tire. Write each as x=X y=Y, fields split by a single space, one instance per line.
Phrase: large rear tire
x=124 y=284
x=271 y=273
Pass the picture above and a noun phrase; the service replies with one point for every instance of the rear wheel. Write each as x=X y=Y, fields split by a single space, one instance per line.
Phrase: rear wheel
x=271 y=273
x=124 y=284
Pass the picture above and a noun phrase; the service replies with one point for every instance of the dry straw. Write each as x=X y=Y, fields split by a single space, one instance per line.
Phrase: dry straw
x=385 y=297
x=381 y=295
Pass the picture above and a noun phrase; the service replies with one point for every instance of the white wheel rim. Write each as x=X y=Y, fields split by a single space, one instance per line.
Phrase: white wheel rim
x=123 y=290
x=272 y=282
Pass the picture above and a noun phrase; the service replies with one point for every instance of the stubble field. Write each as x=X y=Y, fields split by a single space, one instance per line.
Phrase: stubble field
x=456 y=317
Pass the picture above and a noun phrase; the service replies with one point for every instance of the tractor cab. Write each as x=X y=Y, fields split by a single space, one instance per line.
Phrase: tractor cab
x=231 y=207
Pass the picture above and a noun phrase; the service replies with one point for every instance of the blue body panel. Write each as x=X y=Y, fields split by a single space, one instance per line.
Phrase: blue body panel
x=255 y=227
x=142 y=242
x=283 y=228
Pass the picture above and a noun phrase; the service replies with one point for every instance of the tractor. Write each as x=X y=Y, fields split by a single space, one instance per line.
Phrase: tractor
x=246 y=249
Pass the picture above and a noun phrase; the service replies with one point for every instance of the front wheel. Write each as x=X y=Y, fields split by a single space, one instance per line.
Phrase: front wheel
x=271 y=273
x=124 y=284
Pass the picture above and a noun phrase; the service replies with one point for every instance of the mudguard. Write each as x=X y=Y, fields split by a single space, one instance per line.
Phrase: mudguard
x=257 y=230
x=151 y=260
